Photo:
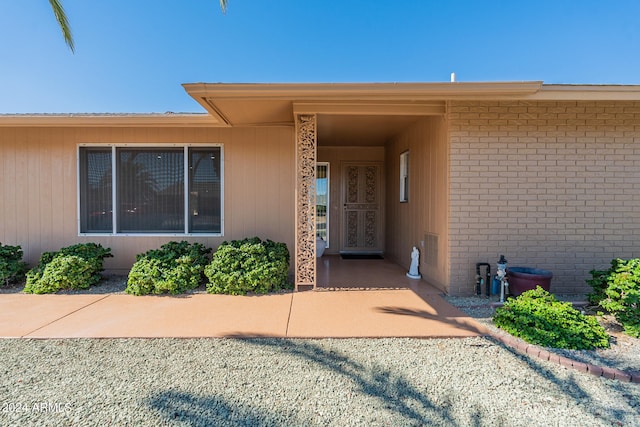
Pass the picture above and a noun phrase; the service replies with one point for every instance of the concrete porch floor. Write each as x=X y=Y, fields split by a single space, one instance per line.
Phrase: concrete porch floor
x=334 y=272
x=406 y=308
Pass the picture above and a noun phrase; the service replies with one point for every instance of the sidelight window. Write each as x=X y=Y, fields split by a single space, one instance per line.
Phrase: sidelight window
x=404 y=177
x=322 y=201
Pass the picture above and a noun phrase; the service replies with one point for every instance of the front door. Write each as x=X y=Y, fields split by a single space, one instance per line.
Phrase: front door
x=362 y=218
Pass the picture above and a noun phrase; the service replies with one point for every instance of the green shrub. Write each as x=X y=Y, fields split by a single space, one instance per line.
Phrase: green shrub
x=598 y=283
x=617 y=290
x=174 y=268
x=12 y=268
x=72 y=267
x=539 y=318
x=63 y=272
x=249 y=265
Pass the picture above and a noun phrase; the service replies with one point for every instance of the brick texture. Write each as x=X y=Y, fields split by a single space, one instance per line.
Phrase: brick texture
x=552 y=185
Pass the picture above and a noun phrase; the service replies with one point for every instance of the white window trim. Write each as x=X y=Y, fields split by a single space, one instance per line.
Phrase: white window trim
x=404 y=176
x=114 y=188
x=328 y=197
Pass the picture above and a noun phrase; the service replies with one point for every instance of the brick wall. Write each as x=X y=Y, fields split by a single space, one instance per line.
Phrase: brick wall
x=552 y=185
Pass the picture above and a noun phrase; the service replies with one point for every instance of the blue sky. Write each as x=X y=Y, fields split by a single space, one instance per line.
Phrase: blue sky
x=133 y=55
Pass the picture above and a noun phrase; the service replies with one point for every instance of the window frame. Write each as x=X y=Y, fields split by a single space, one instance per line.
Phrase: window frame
x=160 y=146
x=328 y=167
x=404 y=176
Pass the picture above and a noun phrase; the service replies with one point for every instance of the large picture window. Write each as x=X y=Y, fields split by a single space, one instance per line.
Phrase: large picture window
x=143 y=190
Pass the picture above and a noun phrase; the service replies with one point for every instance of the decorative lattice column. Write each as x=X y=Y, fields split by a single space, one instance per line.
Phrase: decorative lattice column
x=305 y=252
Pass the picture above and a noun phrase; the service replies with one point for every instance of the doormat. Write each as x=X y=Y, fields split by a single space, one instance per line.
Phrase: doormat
x=361 y=256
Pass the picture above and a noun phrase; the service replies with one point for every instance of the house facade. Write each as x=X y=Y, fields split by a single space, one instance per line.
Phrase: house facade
x=548 y=175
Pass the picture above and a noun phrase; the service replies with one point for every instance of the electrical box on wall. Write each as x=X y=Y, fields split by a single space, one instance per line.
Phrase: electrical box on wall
x=430 y=249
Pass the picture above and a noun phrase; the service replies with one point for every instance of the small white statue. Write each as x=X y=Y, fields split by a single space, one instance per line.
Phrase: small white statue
x=413 y=269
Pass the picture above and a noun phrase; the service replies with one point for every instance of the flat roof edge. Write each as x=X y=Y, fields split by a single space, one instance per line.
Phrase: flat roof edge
x=589 y=92
x=415 y=91
x=301 y=91
x=120 y=120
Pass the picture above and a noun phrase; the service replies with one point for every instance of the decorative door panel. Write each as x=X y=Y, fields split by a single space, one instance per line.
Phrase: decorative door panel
x=362 y=207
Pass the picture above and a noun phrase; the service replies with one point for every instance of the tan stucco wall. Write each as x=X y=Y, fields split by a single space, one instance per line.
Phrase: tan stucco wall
x=408 y=224
x=38 y=191
x=552 y=185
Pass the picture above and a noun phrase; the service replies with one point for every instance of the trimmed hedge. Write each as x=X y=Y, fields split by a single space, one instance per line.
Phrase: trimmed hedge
x=248 y=265
x=12 y=268
x=174 y=268
x=539 y=318
x=72 y=267
x=238 y=267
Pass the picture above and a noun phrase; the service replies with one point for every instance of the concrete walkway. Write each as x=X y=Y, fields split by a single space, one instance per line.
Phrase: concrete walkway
x=313 y=314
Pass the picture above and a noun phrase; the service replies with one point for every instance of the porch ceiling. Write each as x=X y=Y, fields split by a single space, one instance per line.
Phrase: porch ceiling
x=360 y=130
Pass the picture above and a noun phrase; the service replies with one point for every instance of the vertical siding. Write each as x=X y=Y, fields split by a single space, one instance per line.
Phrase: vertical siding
x=243 y=177
x=38 y=168
x=44 y=189
x=68 y=189
x=58 y=169
x=8 y=207
x=21 y=199
x=426 y=211
x=32 y=209
x=553 y=185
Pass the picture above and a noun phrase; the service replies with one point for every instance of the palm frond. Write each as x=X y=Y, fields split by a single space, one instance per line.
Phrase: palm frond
x=63 y=22
x=223 y=6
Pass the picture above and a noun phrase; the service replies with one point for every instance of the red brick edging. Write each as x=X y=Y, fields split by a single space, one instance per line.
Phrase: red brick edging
x=524 y=347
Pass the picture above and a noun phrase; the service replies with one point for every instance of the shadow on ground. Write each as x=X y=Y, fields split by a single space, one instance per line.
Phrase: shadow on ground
x=175 y=406
x=572 y=388
x=392 y=392
x=453 y=321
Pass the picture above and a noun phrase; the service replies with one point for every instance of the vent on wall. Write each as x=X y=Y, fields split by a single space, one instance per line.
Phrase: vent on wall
x=430 y=255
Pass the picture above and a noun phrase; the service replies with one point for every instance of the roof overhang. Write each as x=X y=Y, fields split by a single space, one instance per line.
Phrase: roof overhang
x=371 y=113
x=108 y=120
x=275 y=104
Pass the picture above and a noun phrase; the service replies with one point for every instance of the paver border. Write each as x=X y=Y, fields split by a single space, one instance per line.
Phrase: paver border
x=542 y=353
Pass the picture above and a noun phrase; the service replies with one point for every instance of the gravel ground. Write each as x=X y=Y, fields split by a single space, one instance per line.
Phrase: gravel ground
x=110 y=284
x=624 y=352
x=252 y=382
x=349 y=382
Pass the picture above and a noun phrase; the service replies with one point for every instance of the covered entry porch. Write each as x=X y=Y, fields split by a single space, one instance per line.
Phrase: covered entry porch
x=386 y=144
x=381 y=185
